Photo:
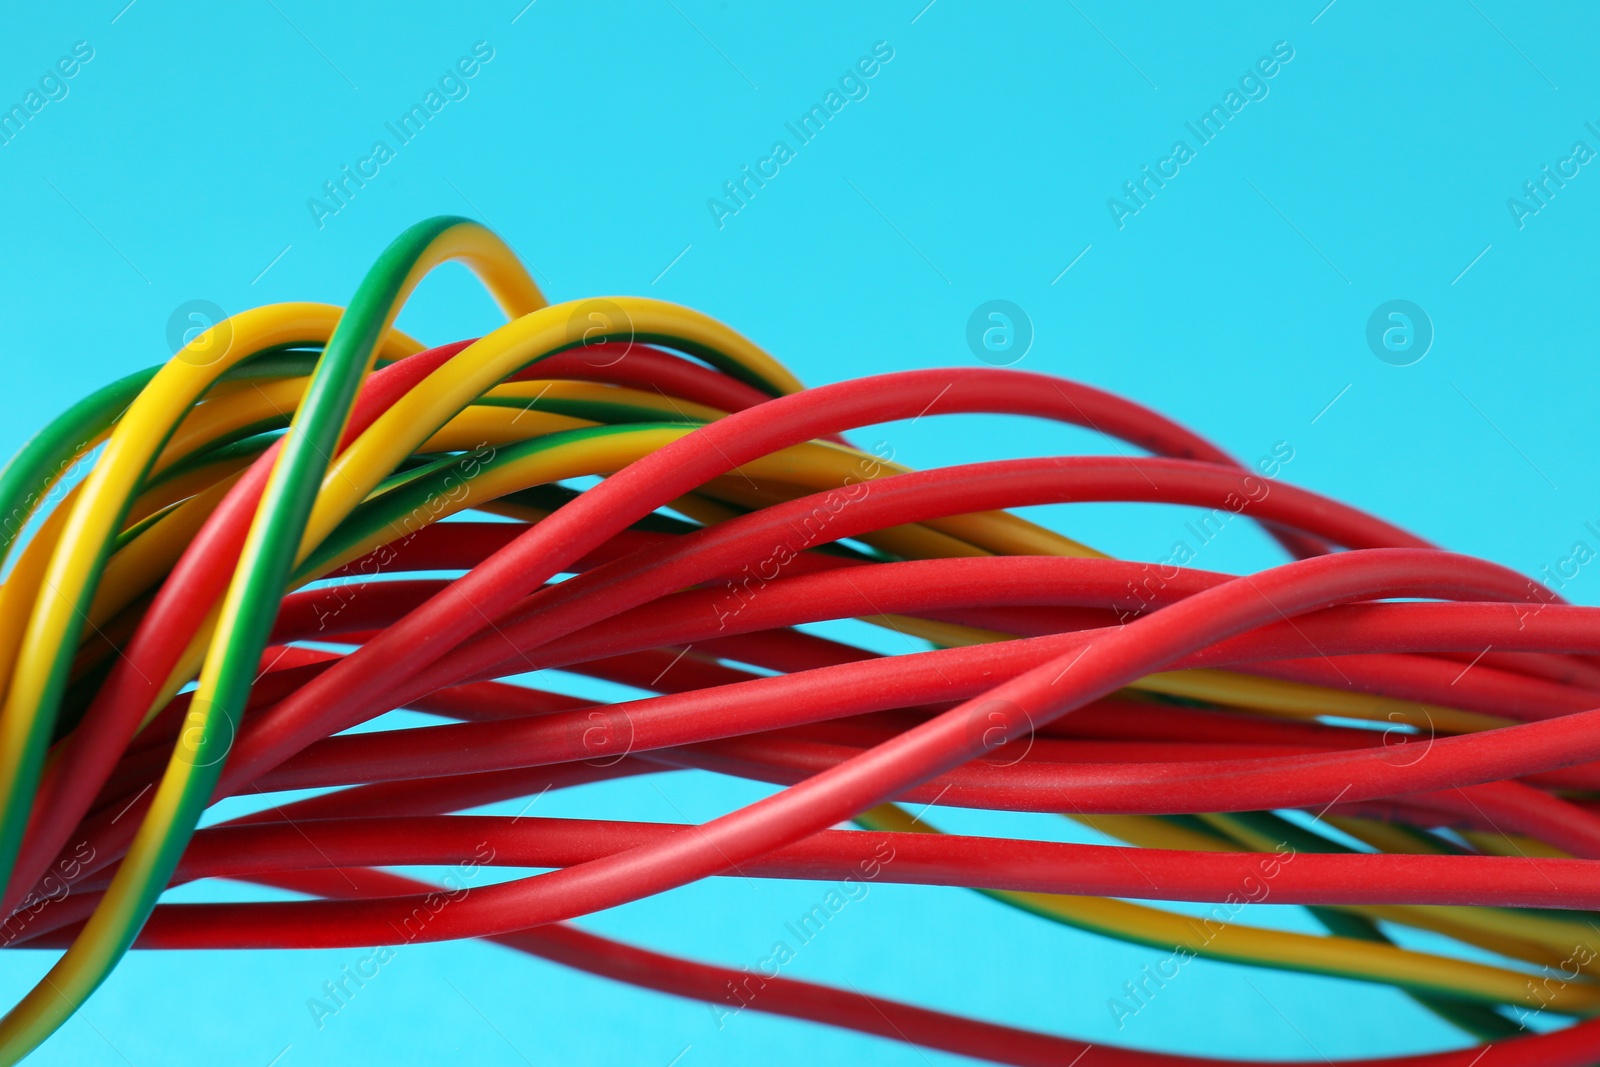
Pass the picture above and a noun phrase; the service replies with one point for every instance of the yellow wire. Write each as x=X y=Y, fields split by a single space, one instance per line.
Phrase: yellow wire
x=1225 y=939
x=478 y=367
x=1544 y=940
x=92 y=518
x=93 y=521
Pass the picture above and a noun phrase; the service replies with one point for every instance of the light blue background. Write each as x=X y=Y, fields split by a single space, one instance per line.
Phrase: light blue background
x=1379 y=166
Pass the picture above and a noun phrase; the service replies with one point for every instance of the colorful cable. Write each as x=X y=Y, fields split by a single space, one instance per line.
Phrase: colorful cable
x=250 y=567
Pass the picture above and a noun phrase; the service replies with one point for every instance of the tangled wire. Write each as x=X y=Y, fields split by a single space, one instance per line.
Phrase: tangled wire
x=306 y=520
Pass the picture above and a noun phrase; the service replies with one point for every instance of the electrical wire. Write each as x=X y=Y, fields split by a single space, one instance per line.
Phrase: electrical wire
x=307 y=519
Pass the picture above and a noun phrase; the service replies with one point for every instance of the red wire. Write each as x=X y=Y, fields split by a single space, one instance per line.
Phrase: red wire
x=698 y=618
x=243 y=851
x=734 y=989
x=955 y=737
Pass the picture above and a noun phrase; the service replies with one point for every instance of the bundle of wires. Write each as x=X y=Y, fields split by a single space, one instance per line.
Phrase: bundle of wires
x=1390 y=735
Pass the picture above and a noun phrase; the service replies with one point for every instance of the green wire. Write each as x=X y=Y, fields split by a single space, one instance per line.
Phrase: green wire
x=268 y=557
x=26 y=480
x=416 y=491
x=1483 y=1021
x=262 y=573
x=24 y=486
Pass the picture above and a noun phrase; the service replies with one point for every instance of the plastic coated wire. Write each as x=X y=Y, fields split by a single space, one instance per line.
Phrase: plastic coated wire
x=1437 y=710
